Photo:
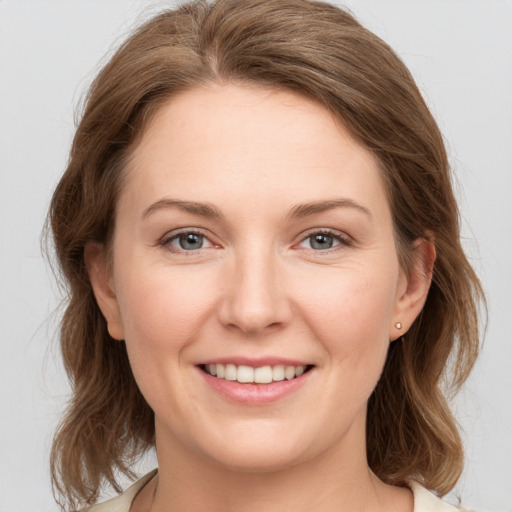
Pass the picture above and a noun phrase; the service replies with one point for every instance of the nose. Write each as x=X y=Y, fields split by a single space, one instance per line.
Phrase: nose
x=254 y=299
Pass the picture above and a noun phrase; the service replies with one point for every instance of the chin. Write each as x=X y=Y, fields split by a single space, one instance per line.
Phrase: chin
x=259 y=462
x=260 y=452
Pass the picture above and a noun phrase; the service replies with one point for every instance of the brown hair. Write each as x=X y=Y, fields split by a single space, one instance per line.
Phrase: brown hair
x=323 y=53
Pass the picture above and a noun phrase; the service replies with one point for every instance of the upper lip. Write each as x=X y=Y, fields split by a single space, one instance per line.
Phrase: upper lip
x=255 y=362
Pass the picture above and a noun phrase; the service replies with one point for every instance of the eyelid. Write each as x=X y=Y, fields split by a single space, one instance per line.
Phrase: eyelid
x=344 y=239
x=172 y=235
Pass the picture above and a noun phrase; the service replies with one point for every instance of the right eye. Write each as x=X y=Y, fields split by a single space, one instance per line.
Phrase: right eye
x=187 y=241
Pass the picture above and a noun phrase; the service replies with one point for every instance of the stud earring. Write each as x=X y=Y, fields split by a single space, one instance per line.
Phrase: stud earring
x=398 y=325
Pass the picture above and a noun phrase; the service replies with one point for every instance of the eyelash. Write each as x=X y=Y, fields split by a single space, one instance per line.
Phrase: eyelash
x=343 y=239
x=166 y=241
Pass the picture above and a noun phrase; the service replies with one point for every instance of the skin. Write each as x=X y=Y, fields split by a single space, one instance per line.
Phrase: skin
x=257 y=288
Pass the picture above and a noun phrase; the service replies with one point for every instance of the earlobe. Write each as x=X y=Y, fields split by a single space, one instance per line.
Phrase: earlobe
x=101 y=281
x=413 y=293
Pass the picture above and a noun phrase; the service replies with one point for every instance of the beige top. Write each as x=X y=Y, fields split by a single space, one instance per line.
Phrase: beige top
x=424 y=501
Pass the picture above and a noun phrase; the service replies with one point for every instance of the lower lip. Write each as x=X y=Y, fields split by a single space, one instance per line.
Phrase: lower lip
x=255 y=394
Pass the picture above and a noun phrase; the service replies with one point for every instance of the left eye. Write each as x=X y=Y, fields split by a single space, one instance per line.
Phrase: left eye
x=321 y=241
x=188 y=241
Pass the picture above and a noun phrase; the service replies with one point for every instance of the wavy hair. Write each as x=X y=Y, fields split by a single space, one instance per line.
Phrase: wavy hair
x=322 y=52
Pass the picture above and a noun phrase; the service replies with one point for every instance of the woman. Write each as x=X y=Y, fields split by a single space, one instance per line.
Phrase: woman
x=262 y=246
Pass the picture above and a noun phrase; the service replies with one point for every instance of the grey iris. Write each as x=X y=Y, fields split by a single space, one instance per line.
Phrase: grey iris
x=190 y=241
x=321 y=241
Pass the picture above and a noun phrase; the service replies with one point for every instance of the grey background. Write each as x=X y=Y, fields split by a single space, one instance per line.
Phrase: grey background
x=460 y=52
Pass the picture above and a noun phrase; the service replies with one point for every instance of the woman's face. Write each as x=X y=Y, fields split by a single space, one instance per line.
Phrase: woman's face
x=254 y=240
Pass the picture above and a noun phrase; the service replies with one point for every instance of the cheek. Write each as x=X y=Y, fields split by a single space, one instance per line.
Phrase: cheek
x=351 y=321
x=164 y=308
x=163 y=311
x=349 y=310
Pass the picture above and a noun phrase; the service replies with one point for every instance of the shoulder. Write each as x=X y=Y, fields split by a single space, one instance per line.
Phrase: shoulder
x=425 y=501
x=122 y=503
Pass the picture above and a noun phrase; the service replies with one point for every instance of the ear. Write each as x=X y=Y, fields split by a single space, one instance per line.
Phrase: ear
x=101 y=281
x=413 y=288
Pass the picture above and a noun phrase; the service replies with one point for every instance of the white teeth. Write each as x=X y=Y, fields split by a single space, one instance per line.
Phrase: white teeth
x=278 y=372
x=260 y=375
x=289 y=372
x=245 y=374
x=263 y=375
x=230 y=372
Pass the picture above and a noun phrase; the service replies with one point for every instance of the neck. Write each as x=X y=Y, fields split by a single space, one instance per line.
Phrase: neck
x=333 y=481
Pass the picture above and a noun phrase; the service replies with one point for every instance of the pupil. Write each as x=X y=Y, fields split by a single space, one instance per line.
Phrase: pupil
x=322 y=242
x=191 y=241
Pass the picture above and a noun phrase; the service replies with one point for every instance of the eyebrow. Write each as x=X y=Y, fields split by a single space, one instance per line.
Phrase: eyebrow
x=193 y=207
x=304 y=210
x=210 y=211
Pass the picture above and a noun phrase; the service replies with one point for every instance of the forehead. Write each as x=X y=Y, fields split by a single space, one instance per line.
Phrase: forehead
x=230 y=113
x=221 y=140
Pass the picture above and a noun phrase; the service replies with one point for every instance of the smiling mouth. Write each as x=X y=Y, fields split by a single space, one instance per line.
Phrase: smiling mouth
x=249 y=375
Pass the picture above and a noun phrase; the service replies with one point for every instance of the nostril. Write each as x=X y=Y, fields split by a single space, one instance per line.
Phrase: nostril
x=253 y=303
x=254 y=328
